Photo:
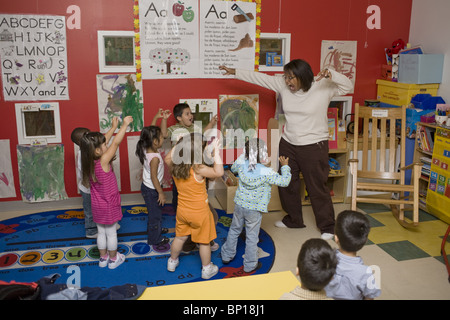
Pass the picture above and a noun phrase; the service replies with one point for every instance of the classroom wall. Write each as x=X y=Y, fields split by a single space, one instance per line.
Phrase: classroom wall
x=429 y=28
x=309 y=22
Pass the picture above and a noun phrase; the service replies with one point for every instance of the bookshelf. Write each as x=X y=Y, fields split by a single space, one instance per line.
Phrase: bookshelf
x=423 y=152
x=337 y=179
x=432 y=149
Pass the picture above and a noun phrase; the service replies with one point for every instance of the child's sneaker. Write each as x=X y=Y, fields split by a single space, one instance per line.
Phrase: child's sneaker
x=214 y=246
x=209 y=271
x=120 y=258
x=172 y=264
x=103 y=262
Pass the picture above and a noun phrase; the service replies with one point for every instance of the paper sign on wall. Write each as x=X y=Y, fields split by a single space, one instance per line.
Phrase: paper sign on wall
x=191 y=39
x=33 y=54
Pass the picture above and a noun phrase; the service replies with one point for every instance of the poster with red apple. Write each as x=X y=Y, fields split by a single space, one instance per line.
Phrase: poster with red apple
x=192 y=38
x=169 y=39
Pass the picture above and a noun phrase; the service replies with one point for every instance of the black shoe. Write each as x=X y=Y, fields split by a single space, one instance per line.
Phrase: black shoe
x=164 y=241
x=258 y=266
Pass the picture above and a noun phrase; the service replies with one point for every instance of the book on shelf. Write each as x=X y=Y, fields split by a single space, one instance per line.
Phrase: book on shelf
x=426 y=139
x=426 y=160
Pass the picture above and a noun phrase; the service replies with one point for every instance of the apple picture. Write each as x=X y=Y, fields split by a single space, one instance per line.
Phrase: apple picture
x=178 y=9
x=188 y=14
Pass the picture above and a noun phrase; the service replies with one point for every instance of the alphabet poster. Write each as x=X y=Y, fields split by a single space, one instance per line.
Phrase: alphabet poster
x=33 y=57
x=169 y=39
x=192 y=38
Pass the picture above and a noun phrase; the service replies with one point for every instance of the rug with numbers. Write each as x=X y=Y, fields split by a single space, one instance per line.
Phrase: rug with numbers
x=46 y=243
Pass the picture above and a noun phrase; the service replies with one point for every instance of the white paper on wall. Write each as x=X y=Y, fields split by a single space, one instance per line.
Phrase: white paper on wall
x=7 y=188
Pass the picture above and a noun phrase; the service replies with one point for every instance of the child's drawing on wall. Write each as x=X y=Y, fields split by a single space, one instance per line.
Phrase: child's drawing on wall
x=339 y=56
x=119 y=95
x=41 y=172
x=239 y=119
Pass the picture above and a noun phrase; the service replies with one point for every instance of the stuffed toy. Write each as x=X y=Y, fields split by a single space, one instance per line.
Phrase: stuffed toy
x=397 y=45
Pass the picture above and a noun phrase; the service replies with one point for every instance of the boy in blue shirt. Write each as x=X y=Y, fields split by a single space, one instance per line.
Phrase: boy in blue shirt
x=353 y=280
x=251 y=199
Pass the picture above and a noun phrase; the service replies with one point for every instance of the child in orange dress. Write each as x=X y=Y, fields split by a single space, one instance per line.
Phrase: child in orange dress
x=194 y=216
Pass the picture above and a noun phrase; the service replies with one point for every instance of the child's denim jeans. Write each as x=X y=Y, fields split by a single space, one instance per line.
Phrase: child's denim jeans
x=251 y=219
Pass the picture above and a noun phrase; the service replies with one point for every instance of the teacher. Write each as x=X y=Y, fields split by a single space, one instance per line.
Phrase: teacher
x=304 y=140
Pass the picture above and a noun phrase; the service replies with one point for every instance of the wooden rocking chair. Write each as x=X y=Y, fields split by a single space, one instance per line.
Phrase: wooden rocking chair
x=382 y=176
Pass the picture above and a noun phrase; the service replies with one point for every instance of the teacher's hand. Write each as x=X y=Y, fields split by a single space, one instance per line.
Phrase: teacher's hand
x=228 y=71
x=325 y=73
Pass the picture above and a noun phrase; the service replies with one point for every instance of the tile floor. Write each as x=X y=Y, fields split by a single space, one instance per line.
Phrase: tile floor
x=410 y=264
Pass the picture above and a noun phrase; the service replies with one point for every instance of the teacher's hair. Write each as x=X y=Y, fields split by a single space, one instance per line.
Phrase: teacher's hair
x=302 y=70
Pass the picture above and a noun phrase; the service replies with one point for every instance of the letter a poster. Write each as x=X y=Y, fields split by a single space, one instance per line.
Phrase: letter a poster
x=192 y=38
x=33 y=57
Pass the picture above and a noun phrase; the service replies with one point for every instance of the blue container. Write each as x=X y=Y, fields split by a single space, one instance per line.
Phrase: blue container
x=426 y=101
x=420 y=68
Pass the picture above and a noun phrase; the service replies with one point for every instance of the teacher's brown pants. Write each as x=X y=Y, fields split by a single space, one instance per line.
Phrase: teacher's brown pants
x=312 y=161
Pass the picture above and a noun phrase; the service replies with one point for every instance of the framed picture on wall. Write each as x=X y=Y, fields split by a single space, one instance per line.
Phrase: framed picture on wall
x=116 y=51
x=275 y=51
x=38 y=123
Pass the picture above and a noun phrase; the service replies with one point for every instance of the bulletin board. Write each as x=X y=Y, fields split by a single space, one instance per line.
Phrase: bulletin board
x=191 y=39
x=438 y=195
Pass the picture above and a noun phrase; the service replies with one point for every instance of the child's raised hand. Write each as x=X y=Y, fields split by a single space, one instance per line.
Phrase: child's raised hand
x=115 y=122
x=214 y=119
x=165 y=114
x=284 y=161
x=127 y=120
x=159 y=114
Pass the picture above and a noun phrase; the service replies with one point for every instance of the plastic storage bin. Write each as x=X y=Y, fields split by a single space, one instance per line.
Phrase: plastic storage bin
x=420 y=68
x=399 y=94
x=426 y=101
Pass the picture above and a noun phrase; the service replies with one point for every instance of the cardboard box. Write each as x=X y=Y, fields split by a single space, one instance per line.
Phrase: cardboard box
x=399 y=94
x=225 y=196
x=421 y=68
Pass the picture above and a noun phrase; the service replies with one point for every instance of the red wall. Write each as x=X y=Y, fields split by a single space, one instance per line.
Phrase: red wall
x=309 y=22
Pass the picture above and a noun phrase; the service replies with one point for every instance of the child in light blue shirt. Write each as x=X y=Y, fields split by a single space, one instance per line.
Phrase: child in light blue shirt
x=251 y=199
x=353 y=279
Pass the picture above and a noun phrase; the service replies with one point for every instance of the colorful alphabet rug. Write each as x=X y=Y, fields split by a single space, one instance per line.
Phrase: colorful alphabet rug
x=47 y=243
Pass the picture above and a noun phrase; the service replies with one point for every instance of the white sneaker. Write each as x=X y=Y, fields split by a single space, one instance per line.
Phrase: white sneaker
x=120 y=258
x=327 y=236
x=280 y=224
x=209 y=271
x=103 y=262
x=215 y=247
x=172 y=264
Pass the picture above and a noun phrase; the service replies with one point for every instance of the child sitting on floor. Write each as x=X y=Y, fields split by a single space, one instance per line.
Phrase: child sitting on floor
x=353 y=279
x=316 y=265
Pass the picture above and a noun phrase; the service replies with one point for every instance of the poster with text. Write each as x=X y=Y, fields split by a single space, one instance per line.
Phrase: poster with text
x=228 y=36
x=339 y=56
x=169 y=39
x=33 y=54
